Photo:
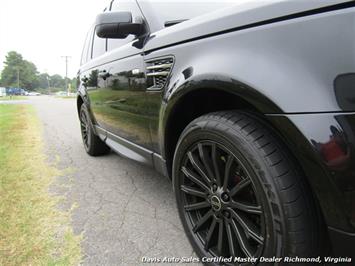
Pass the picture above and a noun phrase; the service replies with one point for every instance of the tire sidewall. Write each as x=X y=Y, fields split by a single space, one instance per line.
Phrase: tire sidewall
x=261 y=177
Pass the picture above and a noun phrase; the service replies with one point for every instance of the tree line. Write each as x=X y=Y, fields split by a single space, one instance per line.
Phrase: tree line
x=19 y=72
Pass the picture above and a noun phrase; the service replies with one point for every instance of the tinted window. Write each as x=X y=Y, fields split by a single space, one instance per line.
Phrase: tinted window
x=124 y=5
x=98 y=46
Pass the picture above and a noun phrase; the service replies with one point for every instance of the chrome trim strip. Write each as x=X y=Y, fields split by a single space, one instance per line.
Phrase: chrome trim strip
x=159 y=66
x=160 y=73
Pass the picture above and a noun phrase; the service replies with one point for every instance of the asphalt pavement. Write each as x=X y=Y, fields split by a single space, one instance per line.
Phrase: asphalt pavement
x=124 y=210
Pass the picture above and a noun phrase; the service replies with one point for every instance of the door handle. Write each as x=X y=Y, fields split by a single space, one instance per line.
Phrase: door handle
x=104 y=74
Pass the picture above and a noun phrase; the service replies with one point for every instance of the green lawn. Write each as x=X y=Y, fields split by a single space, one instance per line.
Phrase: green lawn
x=32 y=229
x=12 y=98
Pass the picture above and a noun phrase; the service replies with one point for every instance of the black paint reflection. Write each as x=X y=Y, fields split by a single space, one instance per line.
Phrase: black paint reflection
x=119 y=103
x=338 y=152
x=335 y=152
x=126 y=80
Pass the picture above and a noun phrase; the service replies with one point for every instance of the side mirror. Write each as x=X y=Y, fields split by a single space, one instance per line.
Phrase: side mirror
x=117 y=25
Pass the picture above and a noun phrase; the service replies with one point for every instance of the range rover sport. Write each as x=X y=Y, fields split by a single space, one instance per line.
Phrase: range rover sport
x=248 y=107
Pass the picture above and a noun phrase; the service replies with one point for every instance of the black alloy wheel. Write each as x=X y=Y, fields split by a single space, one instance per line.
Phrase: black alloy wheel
x=220 y=201
x=85 y=129
x=93 y=145
x=240 y=194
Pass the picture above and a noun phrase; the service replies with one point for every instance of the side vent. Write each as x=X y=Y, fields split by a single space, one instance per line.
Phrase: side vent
x=158 y=71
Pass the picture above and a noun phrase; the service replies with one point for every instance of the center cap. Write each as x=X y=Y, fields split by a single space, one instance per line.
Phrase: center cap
x=216 y=203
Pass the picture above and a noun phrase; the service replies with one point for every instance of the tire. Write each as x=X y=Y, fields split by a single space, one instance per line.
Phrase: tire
x=93 y=145
x=240 y=193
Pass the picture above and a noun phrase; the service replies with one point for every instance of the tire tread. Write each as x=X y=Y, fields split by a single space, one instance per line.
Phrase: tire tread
x=297 y=201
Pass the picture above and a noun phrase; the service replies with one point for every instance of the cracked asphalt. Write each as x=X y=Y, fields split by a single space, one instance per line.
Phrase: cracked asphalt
x=123 y=209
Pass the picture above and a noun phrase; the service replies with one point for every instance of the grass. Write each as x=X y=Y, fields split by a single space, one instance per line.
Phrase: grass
x=33 y=231
x=12 y=98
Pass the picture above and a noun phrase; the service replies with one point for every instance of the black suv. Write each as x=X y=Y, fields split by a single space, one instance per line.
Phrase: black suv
x=249 y=108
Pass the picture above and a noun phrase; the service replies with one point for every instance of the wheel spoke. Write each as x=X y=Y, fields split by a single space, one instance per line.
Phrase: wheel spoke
x=215 y=164
x=220 y=237
x=198 y=167
x=205 y=161
x=197 y=206
x=248 y=227
x=242 y=240
x=230 y=240
x=255 y=209
x=209 y=234
x=194 y=178
x=193 y=191
x=227 y=171
x=83 y=118
x=236 y=228
x=242 y=184
x=202 y=220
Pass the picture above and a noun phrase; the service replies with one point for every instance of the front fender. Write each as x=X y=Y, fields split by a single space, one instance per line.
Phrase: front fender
x=296 y=63
x=179 y=86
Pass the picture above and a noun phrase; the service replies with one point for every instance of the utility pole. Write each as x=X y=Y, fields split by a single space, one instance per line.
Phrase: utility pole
x=49 y=85
x=66 y=57
x=18 y=78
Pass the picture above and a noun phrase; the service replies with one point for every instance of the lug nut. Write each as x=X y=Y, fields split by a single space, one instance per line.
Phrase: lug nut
x=226 y=214
x=225 y=197
x=214 y=187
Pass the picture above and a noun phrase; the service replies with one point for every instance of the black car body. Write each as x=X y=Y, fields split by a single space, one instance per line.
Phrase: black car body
x=291 y=63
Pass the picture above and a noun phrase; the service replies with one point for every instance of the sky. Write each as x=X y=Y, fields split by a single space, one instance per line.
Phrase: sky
x=44 y=30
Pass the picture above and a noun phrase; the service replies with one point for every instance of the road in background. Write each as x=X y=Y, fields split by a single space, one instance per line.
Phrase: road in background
x=124 y=210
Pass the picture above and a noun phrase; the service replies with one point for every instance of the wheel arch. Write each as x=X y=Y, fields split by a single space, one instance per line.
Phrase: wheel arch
x=182 y=108
x=79 y=102
x=200 y=95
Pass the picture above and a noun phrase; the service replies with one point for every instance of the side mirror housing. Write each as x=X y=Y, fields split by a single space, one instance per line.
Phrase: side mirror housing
x=117 y=25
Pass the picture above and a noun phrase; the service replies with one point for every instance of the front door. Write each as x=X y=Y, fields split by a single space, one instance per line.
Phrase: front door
x=119 y=100
x=119 y=103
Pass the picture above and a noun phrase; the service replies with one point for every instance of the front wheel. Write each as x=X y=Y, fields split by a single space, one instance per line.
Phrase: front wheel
x=239 y=193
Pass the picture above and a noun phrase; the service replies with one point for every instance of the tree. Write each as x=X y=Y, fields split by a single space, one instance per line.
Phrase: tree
x=29 y=76
x=73 y=84
x=57 y=81
x=17 y=69
x=12 y=64
x=43 y=80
